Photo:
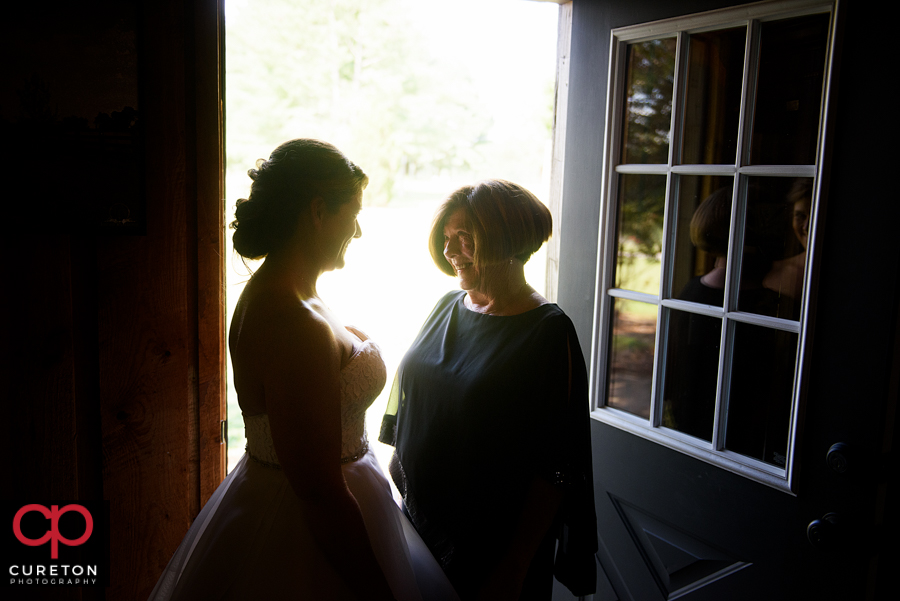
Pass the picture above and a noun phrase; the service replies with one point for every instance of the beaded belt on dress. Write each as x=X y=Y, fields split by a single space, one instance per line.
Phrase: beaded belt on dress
x=359 y=454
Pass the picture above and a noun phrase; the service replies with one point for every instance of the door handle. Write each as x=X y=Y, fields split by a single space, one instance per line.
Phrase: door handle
x=824 y=533
x=839 y=457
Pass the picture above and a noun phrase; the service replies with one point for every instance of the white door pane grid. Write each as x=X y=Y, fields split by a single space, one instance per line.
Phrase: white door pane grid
x=711 y=181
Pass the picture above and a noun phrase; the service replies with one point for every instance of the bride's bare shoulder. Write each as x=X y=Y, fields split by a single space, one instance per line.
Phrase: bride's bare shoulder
x=277 y=320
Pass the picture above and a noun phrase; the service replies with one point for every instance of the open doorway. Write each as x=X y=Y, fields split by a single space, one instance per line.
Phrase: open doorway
x=425 y=97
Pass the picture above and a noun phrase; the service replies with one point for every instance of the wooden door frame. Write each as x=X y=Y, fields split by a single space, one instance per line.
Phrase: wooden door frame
x=558 y=157
x=209 y=120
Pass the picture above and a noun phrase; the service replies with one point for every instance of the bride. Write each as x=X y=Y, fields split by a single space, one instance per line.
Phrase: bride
x=307 y=513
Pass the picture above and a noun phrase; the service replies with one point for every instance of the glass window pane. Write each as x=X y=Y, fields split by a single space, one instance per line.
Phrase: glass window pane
x=775 y=238
x=789 y=91
x=631 y=351
x=759 y=405
x=713 y=102
x=692 y=369
x=642 y=201
x=701 y=238
x=648 y=106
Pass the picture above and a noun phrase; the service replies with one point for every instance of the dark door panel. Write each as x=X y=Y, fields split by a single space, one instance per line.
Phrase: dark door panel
x=673 y=526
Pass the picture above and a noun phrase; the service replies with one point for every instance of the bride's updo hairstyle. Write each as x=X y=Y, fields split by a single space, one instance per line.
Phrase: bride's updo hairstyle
x=505 y=221
x=283 y=187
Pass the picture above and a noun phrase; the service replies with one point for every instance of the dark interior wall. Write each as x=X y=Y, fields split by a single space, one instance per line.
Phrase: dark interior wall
x=113 y=344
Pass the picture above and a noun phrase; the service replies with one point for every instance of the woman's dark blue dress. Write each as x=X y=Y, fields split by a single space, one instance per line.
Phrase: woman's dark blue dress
x=482 y=405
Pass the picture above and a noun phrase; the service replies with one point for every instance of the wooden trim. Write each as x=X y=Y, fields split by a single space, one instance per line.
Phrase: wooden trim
x=563 y=53
x=210 y=182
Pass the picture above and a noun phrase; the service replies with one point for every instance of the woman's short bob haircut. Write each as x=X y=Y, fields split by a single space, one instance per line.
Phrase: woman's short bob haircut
x=284 y=186
x=710 y=223
x=504 y=219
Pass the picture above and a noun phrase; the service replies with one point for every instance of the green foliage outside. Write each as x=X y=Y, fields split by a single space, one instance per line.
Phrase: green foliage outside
x=362 y=75
x=651 y=79
x=637 y=272
x=648 y=113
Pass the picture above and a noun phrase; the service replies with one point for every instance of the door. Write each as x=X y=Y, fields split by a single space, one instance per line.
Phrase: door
x=742 y=321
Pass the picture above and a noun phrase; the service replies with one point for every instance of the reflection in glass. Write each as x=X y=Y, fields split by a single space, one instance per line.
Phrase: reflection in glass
x=789 y=91
x=713 y=104
x=692 y=368
x=759 y=406
x=701 y=238
x=631 y=351
x=642 y=200
x=648 y=107
x=776 y=230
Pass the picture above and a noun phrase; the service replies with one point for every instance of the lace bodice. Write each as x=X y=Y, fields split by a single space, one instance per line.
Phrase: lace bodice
x=362 y=379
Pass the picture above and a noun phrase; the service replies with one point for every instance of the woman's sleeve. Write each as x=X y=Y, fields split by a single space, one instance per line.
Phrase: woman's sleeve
x=575 y=565
x=388 y=433
x=560 y=407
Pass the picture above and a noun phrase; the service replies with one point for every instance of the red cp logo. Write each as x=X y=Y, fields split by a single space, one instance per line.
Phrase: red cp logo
x=53 y=534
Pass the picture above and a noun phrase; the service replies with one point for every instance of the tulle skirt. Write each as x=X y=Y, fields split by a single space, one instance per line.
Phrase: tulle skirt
x=252 y=541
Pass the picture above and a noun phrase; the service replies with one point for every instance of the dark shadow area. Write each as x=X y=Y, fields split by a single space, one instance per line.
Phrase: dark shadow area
x=69 y=118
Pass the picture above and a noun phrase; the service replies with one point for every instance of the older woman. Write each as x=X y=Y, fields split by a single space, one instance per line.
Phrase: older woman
x=307 y=513
x=488 y=413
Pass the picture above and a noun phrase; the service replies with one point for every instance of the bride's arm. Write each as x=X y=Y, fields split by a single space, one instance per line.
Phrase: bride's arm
x=302 y=392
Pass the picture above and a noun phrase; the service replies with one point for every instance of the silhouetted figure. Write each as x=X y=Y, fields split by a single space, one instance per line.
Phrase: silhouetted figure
x=306 y=513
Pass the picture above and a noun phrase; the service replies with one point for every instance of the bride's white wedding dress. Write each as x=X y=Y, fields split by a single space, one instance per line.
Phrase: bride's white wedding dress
x=252 y=541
